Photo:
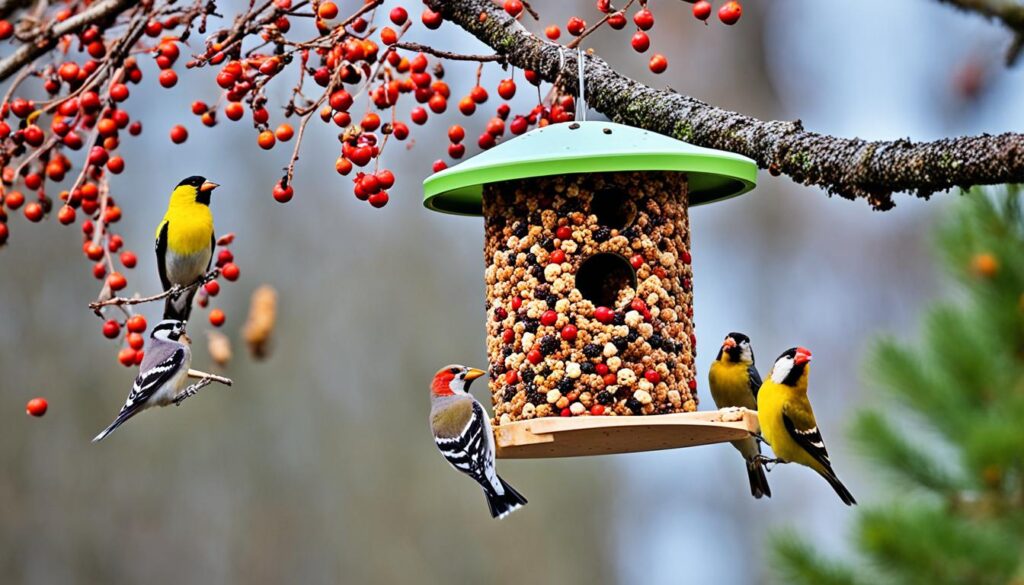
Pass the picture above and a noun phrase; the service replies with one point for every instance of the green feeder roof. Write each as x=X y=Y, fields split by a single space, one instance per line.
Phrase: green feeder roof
x=588 y=147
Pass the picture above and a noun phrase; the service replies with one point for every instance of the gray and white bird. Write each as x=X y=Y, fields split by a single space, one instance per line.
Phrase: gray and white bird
x=462 y=432
x=163 y=374
x=734 y=384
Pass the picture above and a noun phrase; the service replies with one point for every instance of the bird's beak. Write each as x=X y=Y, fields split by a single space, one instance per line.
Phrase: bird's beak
x=803 y=355
x=208 y=186
x=729 y=343
x=473 y=374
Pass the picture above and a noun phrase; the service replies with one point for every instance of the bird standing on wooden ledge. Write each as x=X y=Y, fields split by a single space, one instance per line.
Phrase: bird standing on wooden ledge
x=462 y=432
x=787 y=419
x=734 y=383
x=184 y=243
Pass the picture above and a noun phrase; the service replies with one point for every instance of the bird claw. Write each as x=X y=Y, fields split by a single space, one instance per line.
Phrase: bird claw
x=768 y=462
x=191 y=391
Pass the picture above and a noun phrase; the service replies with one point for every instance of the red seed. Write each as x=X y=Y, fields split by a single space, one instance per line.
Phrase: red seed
x=534 y=356
x=597 y=409
x=569 y=332
x=508 y=336
x=511 y=377
x=601 y=369
x=516 y=303
x=556 y=257
x=37 y=406
x=604 y=314
x=610 y=379
x=548 y=318
x=636 y=261
x=652 y=376
x=564 y=232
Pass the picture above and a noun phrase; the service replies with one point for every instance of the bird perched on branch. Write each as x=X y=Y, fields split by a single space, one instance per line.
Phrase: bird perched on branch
x=184 y=243
x=163 y=374
x=734 y=383
x=787 y=419
x=462 y=433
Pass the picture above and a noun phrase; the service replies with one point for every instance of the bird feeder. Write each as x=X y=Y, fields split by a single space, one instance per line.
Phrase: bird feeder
x=590 y=287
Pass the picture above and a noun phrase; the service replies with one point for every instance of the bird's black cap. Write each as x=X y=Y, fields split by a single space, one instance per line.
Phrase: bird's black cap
x=193 y=181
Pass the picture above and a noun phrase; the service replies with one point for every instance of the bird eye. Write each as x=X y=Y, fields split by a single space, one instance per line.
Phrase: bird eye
x=454 y=370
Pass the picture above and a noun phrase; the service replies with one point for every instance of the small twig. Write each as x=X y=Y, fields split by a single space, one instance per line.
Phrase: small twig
x=212 y=377
x=575 y=42
x=119 y=301
x=409 y=46
x=530 y=10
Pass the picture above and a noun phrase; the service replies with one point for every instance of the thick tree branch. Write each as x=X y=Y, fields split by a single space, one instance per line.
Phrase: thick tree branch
x=1008 y=12
x=28 y=52
x=849 y=167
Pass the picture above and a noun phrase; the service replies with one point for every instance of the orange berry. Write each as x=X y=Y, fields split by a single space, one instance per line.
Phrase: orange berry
x=217 y=317
x=266 y=140
x=36 y=407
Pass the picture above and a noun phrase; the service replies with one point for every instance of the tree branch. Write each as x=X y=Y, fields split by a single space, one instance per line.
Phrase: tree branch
x=1010 y=14
x=28 y=52
x=848 y=167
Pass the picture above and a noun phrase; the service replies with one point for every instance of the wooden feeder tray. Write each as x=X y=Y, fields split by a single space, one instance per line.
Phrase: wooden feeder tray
x=605 y=435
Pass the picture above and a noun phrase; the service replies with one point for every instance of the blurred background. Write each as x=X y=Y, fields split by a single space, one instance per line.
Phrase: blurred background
x=317 y=466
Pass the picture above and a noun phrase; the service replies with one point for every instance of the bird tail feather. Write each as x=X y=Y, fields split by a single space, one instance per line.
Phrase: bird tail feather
x=844 y=494
x=121 y=418
x=502 y=505
x=758 y=480
x=179 y=307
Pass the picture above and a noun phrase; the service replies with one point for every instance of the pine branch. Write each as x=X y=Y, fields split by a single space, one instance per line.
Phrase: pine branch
x=905 y=461
x=848 y=167
x=798 y=563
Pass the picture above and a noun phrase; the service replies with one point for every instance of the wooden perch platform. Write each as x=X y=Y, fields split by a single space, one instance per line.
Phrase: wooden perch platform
x=605 y=435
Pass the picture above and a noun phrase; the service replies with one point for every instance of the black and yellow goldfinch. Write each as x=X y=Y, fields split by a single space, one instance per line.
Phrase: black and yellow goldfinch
x=734 y=384
x=787 y=419
x=184 y=243
x=462 y=433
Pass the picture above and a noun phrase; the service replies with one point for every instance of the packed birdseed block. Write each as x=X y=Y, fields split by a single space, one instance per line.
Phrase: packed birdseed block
x=589 y=296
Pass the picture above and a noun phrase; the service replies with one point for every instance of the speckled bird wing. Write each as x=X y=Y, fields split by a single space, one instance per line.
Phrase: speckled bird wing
x=471 y=451
x=799 y=422
x=754 y=379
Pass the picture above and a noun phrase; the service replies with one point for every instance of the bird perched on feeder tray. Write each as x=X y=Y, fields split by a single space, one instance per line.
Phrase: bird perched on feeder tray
x=787 y=419
x=184 y=243
x=462 y=432
x=163 y=373
x=734 y=383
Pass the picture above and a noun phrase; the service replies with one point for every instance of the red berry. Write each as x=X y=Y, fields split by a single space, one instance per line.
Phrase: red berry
x=519 y=125
x=431 y=19
x=576 y=26
x=398 y=15
x=500 y=314
x=379 y=199
x=115 y=165
x=136 y=324
x=565 y=412
x=511 y=377
x=556 y=257
x=456 y=133
x=563 y=232
x=601 y=369
x=179 y=134
x=4 y=233
x=534 y=356
x=552 y=32
x=230 y=271
x=284 y=132
x=93 y=251
x=610 y=379
x=68 y=71
x=128 y=259
x=643 y=19
x=217 y=316
x=508 y=336
x=111 y=329
x=517 y=302
x=636 y=261
x=135 y=341
x=342 y=165
x=327 y=10
x=569 y=332
x=34 y=212
x=617 y=21
x=285 y=194
x=439 y=165
x=118 y=92
x=638 y=304
x=36 y=406
x=6 y=30
x=548 y=318
x=117 y=281
x=212 y=288
x=730 y=12
x=658 y=63
x=702 y=10
x=604 y=314
x=418 y=115
x=652 y=376
x=126 y=356
x=168 y=78
x=597 y=409
x=388 y=35
x=386 y=179
x=640 y=41
x=341 y=100
x=266 y=140
x=692 y=384
x=507 y=89
x=224 y=257
x=513 y=7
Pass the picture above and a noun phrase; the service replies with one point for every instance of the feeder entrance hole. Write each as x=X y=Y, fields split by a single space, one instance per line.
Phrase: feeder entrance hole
x=613 y=209
x=602 y=276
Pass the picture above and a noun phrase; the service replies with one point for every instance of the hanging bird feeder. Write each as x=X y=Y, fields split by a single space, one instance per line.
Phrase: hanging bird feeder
x=589 y=286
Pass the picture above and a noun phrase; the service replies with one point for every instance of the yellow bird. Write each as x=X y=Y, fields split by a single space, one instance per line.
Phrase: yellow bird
x=787 y=419
x=184 y=243
x=734 y=383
